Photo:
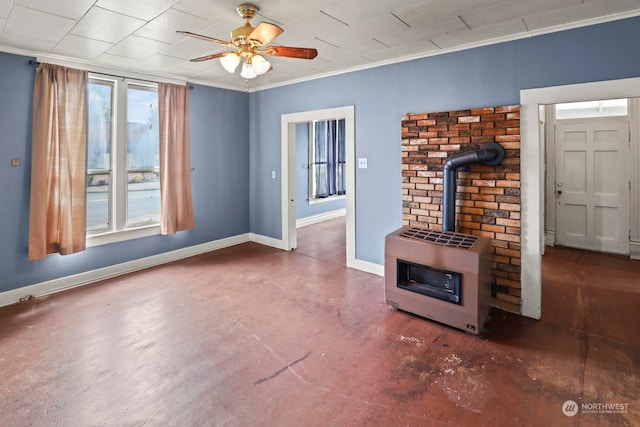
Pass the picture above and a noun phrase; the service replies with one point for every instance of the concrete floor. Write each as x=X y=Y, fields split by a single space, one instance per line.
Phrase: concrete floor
x=253 y=336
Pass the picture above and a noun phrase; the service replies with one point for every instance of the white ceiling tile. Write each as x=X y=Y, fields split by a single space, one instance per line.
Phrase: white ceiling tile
x=5 y=7
x=358 y=31
x=517 y=9
x=105 y=25
x=589 y=10
x=164 y=27
x=159 y=61
x=283 y=12
x=26 y=42
x=315 y=23
x=463 y=38
x=119 y=61
x=353 y=11
x=141 y=9
x=74 y=9
x=213 y=11
x=437 y=10
x=137 y=47
x=420 y=36
x=402 y=52
x=192 y=48
x=81 y=47
x=36 y=25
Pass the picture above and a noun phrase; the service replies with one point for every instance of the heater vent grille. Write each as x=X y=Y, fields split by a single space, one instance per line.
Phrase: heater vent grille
x=445 y=238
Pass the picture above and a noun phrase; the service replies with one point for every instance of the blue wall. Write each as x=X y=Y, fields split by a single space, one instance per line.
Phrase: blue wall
x=232 y=198
x=485 y=76
x=220 y=178
x=303 y=208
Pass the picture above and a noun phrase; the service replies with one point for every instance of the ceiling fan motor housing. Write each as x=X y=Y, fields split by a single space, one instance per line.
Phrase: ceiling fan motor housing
x=240 y=34
x=247 y=11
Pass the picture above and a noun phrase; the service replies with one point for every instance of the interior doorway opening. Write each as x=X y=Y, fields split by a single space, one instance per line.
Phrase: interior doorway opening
x=533 y=174
x=588 y=173
x=289 y=124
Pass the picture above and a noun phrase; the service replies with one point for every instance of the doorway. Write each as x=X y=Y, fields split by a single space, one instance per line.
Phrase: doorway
x=588 y=175
x=289 y=123
x=533 y=174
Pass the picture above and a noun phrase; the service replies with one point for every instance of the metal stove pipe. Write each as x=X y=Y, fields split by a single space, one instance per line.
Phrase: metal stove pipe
x=490 y=153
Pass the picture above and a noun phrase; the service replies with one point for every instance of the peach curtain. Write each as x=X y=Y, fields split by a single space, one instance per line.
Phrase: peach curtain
x=57 y=216
x=175 y=158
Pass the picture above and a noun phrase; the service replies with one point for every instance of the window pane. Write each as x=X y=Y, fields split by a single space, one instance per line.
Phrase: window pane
x=604 y=108
x=143 y=156
x=99 y=157
x=98 y=202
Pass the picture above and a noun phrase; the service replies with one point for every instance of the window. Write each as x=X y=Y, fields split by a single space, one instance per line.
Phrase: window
x=123 y=163
x=327 y=160
x=604 y=108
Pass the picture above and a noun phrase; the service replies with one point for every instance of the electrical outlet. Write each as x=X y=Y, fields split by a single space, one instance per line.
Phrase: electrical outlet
x=362 y=163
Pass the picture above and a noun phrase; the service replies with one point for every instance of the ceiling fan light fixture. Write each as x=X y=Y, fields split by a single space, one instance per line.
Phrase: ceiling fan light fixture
x=230 y=62
x=260 y=65
x=251 y=44
x=247 y=71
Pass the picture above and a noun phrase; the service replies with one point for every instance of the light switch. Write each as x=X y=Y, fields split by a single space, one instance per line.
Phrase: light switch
x=273 y=174
x=362 y=163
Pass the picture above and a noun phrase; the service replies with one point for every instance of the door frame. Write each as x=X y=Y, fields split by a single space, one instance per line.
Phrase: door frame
x=288 y=175
x=533 y=174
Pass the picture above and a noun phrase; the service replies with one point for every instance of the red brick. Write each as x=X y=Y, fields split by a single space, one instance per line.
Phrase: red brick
x=506 y=183
x=469 y=119
x=507 y=108
x=508 y=237
x=507 y=138
x=483 y=125
x=484 y=110
x=427 y=135
x=493 y=117
x=510 y=206
x=494 y=132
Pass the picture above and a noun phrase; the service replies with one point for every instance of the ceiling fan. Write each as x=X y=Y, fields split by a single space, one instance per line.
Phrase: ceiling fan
x=249 y=43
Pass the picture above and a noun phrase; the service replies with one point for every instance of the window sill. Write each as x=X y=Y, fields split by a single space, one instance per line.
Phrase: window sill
x=327 y=199
x=123 y=235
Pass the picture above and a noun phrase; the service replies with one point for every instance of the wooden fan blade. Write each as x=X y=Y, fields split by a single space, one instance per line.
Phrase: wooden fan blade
x=265 y=32
x=208 y=57
x=292 y=52
x=206 y=38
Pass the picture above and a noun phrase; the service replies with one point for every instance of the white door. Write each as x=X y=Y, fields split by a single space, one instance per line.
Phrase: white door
x=592 y=185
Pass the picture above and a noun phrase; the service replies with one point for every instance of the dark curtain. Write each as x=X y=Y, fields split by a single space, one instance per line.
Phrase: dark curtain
x=330 y=159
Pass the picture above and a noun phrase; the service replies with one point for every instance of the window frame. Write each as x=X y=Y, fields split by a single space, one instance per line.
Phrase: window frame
x=311 y=177
x=120 y=231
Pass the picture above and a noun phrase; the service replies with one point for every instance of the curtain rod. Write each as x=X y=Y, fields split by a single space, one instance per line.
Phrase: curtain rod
x=36 y=63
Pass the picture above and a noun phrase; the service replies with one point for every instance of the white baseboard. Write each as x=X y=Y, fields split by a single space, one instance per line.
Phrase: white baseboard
x=267 y=241
x=366 y=266
x=634 y=250
x=69 y=282
x=550 y=238
x=314 y=219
